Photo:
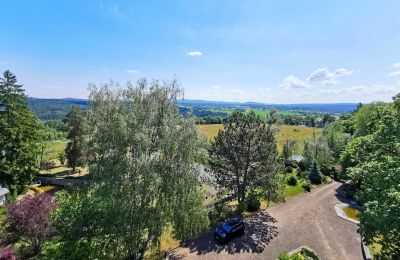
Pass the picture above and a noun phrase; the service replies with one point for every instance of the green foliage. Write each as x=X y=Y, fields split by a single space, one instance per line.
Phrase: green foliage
x=75 y=150
x=304 y=254
x=288 y=149
x=62 y=157
x=253 y=200
x=319 y=151
x=372 y=162
x=143 y=176
x=244 y=156
x=20 y=136
x=307 y=186
x=315 y=175
x=292 y=181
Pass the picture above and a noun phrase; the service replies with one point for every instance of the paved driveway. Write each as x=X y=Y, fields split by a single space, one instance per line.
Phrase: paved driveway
x=308 y=219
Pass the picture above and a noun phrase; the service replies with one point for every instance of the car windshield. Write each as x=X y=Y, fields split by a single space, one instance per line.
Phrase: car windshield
x=227 y=227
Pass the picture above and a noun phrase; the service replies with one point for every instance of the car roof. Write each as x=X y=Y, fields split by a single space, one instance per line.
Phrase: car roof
x=233 y=221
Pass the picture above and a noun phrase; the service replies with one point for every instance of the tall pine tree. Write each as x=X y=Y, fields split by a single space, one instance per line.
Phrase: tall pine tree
x=19 y=135
x=76 y=146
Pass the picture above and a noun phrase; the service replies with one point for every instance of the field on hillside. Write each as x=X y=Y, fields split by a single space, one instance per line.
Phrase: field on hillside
x=297 y=133
x=53 y=149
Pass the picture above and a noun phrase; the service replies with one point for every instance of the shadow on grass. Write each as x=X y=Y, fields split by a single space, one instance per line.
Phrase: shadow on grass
x=259 y=231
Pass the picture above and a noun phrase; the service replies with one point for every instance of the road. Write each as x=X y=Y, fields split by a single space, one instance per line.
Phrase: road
x=308 y=219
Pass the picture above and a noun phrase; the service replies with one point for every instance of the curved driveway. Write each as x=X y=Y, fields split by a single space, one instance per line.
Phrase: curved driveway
x=308 y=219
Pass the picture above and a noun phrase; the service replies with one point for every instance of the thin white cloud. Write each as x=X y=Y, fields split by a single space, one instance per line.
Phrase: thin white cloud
x=396 y=65
x=291 y=82
x=132 y=71
x=194 y=53
x=366 y=90
x=343 y=72
x=394 y=74
x=327 y=77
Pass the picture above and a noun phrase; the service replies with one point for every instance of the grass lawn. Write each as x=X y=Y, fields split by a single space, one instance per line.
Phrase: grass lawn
x=53 y=149
x=290 y=191
x=297 y=133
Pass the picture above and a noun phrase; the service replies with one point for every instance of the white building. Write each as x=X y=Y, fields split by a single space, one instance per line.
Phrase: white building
x=3 y=192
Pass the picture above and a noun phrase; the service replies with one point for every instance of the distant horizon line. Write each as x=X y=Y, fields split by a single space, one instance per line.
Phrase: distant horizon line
x=229 y=102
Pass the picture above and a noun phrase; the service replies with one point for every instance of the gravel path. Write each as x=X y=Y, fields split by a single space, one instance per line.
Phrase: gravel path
x=308 y=219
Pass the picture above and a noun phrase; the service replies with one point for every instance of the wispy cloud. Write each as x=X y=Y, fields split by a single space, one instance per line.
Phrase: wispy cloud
x=194 y=53
x=395 y=73
x=132 y=71
x=327 y=77
x=106 y=9
x=396 y=65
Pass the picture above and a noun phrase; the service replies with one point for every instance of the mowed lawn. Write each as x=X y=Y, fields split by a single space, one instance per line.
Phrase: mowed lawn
x=297 y=133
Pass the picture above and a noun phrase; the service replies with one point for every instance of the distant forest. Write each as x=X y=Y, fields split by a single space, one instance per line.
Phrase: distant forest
x=206 y=112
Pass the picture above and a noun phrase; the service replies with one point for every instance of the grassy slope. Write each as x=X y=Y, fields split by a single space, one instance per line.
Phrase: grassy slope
x=297 y=133
x=53 y=149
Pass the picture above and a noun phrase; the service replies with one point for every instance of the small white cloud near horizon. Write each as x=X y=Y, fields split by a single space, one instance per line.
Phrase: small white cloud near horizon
x=291 y=82
x=395 y=73
x=194 y=53
x=395 y=65
x=327 y=77
x=132 y=71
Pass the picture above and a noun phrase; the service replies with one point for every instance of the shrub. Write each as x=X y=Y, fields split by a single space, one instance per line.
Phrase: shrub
x=315 y=175
x=242 y=207
x=307 y=186
x=62 y=157
x=292 y=181
x=253 y=203
x=284 y=256
x=28 y=220
x=327 y=179
x=7 y=254
x=288 y=169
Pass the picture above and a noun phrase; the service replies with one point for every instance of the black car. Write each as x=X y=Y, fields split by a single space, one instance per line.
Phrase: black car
x=229 y=229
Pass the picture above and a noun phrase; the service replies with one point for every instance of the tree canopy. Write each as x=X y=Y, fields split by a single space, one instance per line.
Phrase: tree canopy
x=19 y=135
x=244 y=156
x=371 y=161
x=75 y=150
x=143 y=174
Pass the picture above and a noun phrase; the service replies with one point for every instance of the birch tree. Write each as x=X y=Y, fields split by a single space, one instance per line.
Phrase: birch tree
x=142 y=168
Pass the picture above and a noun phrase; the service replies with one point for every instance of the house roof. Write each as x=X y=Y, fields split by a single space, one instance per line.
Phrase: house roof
x=3 y=191
x=296 y=158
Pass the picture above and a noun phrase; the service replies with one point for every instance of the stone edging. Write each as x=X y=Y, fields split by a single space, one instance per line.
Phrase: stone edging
x=341 y=214
x=365 y=251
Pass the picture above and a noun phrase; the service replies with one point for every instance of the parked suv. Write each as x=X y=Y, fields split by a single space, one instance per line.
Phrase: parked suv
x=229 y=229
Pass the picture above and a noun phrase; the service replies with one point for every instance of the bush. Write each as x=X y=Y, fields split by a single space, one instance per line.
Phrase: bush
x=307 y=186
x=292 y=181
x=284 y=256
x=28 y=221
x=242 y=207
x=288 y=169
x=7 y=254
x=253 y=203
x=315 y=175
x=327 y=179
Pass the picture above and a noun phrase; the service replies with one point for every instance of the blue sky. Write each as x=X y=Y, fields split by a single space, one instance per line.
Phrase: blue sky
x=281 y=51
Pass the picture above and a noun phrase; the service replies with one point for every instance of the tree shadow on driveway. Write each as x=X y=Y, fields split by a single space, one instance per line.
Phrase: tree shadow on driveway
x=259 y=231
